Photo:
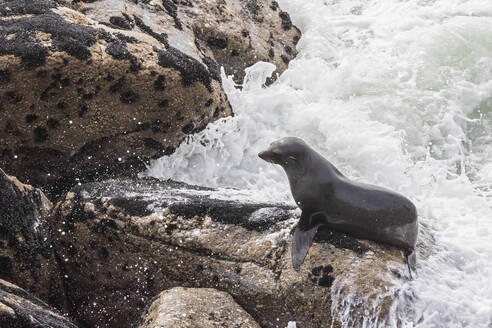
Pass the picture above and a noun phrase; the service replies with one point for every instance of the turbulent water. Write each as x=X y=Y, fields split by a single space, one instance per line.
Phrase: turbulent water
x=396 y=93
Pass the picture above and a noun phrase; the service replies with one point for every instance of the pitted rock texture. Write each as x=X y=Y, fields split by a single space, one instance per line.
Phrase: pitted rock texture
x=234 y=33
x=196 y=308
x=19 y=309
x=122 y=242
x=26 y=256
x=94 y=89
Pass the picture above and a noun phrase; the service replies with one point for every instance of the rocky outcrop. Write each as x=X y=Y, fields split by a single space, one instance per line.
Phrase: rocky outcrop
x=122 y=242
x=235 y=33
x=19 y=309
x=196 y=307
x=26 y=255
x=94 y=89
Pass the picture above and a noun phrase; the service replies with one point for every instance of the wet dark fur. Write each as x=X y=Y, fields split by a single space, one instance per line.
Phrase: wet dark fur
x=327 y=197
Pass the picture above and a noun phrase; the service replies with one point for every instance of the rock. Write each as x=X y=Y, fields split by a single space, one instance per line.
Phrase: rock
x=94 y=89
x=196 y=307
x=234 y=33
x=125 y=241
x=26 y=256
x=18 y=308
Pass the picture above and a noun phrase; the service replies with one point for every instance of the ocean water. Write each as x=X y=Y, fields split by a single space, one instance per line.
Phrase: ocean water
x=395 y=93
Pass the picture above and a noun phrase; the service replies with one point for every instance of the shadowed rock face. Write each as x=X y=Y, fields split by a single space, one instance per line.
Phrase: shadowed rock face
x=196 y=307
x=26 y=256
x=94 y=89
x=122 y=242
x=19 y=309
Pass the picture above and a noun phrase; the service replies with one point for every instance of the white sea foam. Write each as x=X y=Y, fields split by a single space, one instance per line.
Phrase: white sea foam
x=397 y=93
x=291 y=324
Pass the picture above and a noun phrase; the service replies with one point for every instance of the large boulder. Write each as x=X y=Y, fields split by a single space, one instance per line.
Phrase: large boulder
x=26 y=255
x=196 y=308
x=19 y=309
x=122 y=242
x=94 y=89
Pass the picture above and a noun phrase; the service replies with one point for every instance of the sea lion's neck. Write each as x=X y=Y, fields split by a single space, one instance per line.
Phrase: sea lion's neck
x=324 y=167
x=313 y=168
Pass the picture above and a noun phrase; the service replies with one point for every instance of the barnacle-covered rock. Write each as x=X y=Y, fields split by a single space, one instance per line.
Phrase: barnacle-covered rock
x=26 y=254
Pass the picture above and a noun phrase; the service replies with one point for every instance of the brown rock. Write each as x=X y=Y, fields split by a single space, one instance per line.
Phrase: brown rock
x=18 y=308
x=26 y=256
x=196 y=307
x=96 y=89
x=124 y=242
x=236 y=34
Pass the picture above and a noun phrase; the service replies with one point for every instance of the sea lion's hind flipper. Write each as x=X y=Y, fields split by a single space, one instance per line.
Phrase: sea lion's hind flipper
x=302 y=240
x=411 y=261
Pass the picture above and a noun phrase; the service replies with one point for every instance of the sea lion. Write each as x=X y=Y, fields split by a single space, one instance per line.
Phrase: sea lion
x=327 y=197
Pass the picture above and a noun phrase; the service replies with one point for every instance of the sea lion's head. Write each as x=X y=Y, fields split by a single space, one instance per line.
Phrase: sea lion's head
x=285 y=151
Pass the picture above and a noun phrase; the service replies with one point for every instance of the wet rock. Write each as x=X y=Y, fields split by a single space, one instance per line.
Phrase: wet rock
x=26 y=256
x=196 y=307
x=18 y=308
x=125 y=241
x=83 y=83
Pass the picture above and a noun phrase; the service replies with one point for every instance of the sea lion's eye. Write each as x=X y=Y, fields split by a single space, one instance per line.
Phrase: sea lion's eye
x=292 y=157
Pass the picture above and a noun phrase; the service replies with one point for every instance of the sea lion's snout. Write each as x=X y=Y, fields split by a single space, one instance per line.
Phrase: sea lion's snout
x=267 y=155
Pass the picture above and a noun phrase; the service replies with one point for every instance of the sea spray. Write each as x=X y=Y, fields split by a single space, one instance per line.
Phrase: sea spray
x=395 y=93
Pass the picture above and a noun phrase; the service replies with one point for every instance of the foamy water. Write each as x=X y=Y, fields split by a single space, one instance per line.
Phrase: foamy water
x=396 y=93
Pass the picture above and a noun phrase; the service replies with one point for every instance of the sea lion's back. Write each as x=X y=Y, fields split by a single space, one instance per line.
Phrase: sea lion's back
x=374 y=202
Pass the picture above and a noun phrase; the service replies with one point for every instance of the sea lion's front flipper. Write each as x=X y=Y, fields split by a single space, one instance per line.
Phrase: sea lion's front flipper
x=302 y=240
